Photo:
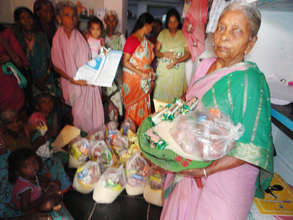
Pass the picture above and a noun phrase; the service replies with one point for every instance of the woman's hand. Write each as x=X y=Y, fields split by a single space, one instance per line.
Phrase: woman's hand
x=171 y=65
x=79 y=82
x=169 y=55
x=193 y=172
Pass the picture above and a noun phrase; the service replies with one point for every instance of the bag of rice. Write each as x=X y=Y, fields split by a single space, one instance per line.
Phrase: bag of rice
x=100 y=152
x=135 y=174
x=86 y=177
x=78 y=153
x=153 y=191
x=110 y=185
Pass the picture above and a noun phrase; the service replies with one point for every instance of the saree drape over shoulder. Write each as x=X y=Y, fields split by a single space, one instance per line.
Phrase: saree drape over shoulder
x=68 y=54
x=136 y=90
x=240 y=92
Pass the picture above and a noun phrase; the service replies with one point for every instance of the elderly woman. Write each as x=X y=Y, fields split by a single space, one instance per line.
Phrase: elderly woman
x=238 y=89
x=172 y=51
x=138 y=75
x=114 y=40
x=69 y=52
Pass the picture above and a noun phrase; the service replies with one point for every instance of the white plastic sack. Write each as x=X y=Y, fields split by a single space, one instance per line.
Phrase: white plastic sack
x=135 y=176
x=110 y=185
x=86 y=177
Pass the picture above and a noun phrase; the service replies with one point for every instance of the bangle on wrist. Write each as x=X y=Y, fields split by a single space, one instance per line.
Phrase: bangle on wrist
x=205 y=173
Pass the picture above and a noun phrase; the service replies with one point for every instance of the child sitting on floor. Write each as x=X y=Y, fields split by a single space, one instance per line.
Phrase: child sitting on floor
x=31 y=192
x=47 y=121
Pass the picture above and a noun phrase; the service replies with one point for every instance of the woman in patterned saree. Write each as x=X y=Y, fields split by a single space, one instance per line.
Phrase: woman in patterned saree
x=138 y=74
x=239 y=90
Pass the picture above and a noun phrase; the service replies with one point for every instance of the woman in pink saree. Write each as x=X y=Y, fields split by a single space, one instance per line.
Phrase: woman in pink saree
x=238 y=89
x=69 y=52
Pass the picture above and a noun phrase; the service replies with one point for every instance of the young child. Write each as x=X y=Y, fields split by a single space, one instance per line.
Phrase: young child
x=69 y=52
x=95 y=40
x=29 y=194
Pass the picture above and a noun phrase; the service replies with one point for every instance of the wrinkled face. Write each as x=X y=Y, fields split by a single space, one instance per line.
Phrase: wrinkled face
x=111 y=23
x=148 y=28
x=173 y=24
x=68 y=18
x=95 y=30
x=46 y=105
x=232 y=37
x=46 y=13
x=29 y=168
x=26 y=21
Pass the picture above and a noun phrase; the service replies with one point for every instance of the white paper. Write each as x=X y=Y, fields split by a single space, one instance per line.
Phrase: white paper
x=100 y=71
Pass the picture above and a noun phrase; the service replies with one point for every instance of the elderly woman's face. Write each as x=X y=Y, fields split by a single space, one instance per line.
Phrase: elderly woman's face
x=26 y=21
x=232 y=37
x=68 y=18
x=111 y=22
x=173 y=24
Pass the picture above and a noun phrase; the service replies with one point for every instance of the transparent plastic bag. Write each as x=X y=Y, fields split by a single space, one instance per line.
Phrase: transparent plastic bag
x=127 y=125
x=98 y=135
x=153 y=191
x=208 y=134
x=110 y=185
x=135 y=174
x=86 y=177
x=100 y=152
x=78 y=152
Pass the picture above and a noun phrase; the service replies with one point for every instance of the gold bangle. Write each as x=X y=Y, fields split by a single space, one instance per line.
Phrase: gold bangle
x=205 y=173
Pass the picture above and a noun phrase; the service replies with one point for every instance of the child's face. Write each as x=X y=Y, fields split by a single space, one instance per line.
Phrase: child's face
x=14 y=123
x=29 y=168
x=68 y=19
x=46 y=105
x=95 y=30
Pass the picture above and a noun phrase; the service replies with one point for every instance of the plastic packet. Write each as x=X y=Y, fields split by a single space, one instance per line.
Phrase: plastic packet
x=86 y=177
x=135 y=174
x=78 y=152
x=99 y=151
x=153 y=191
x=98 y=135
x=110 y=185
x=206 y=133
x=127 y=125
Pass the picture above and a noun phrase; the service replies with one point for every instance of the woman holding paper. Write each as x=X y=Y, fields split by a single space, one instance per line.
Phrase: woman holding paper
x=138 y=74
x=238 y=89
x=69 y=52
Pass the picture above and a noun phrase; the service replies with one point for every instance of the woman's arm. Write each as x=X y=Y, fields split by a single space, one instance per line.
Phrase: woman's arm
x=126 y=63
x=67 y=77
x=185 y=57
x=221 y=164
x=160 y=54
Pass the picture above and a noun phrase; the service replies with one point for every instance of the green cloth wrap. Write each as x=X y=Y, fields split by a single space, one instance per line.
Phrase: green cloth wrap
x=165 y=159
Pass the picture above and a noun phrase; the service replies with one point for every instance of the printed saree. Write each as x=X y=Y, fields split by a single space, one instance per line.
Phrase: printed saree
x=240 y=92
x=135 y=90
